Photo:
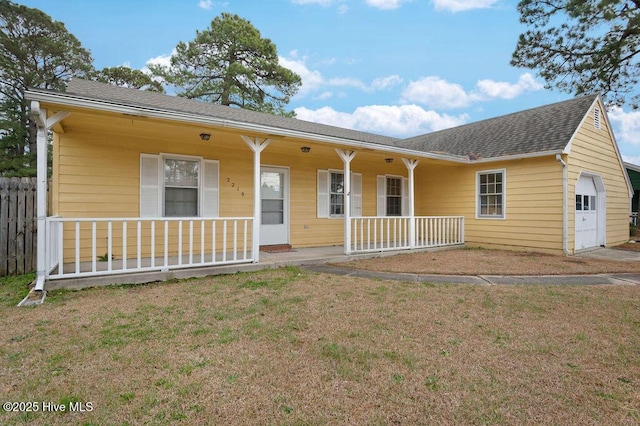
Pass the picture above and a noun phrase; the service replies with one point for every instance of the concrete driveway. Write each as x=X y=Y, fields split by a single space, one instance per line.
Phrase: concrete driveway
x=611 y=254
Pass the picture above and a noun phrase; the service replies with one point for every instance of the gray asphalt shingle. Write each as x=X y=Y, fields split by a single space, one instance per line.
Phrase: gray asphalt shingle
x=544 y=129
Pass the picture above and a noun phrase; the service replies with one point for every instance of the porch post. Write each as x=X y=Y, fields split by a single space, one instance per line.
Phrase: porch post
x=411 y=164
x=346 y=157
x=43 y=124
x=257 y=146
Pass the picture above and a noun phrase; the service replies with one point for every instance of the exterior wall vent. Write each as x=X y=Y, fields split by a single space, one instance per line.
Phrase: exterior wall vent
x=596 y=118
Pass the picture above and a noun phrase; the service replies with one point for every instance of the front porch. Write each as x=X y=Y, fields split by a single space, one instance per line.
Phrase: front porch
x=85 y=252
x=295 y=257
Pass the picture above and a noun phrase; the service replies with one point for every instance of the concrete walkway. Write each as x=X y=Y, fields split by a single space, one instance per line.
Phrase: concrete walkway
x=597 y=279
x=318 y=260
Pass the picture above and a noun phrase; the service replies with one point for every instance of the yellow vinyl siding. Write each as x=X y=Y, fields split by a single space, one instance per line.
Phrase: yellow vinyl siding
x=594 y=151
x=533 y=203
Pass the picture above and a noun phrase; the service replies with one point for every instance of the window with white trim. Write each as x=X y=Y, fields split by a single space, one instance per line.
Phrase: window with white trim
x=331 y=194
x=393 y=195
x=491 y=194
x=178 y=186
x=336 y=194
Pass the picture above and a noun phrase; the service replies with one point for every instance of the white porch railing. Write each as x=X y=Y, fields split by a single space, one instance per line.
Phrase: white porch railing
x=372 y=233
x=80 y=247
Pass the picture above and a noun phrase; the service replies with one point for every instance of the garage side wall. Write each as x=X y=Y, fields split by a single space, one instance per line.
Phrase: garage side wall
x=593 y=151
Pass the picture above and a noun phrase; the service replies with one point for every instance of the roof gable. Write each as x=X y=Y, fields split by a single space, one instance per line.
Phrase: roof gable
x=544 y=129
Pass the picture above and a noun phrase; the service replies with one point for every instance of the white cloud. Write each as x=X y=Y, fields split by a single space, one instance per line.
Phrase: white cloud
x=324 y=95
x=436 y=93
x=311 y=80
x=400 y=121
x=504 y=90
x=385 y=4
x=162 y=60
x=462 y=5
x=388 y=82
x=205 y=4
x=626 y=125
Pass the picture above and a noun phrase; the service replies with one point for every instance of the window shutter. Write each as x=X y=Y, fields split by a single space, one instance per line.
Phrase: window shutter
x=210 y=191
x=405 y=197
x=356 y=194
x=382 y=195
x=150 y=185
x=323 y=193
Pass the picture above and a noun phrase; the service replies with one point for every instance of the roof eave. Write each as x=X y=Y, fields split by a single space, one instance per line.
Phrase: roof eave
x=70 y=100
x=517 y=156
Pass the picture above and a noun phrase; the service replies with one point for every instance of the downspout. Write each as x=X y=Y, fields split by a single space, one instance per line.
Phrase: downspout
x=565 y=218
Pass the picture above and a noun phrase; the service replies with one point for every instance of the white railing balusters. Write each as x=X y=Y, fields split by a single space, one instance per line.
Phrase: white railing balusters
x=85 y=259
x=392 y=233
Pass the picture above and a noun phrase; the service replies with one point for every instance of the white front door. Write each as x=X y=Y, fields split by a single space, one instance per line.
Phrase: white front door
x=274 y=201
x=586 y=213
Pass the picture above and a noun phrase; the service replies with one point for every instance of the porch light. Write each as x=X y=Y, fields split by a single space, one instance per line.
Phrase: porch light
x=388 y=160
x=205 y=136
x=305 y=149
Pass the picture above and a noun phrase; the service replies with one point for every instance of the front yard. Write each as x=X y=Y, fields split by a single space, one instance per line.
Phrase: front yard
x=292 y=347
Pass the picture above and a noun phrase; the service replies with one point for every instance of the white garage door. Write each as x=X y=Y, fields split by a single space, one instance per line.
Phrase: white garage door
x=586 y=213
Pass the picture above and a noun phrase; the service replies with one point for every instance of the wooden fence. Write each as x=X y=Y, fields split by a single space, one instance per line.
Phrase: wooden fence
x=18 y=225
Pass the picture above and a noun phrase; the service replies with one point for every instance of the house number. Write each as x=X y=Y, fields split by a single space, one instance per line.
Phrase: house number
x=233 y=185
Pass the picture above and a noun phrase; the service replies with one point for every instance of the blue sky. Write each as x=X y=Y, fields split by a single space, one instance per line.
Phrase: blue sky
x=394 y=67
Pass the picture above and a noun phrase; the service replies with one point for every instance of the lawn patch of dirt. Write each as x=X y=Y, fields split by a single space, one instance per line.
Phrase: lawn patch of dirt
x=293 y=347
x=492 y=262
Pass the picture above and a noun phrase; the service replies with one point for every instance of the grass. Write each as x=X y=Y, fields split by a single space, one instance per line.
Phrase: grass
x=290 y=347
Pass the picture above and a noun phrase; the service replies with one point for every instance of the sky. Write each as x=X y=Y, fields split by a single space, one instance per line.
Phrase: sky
x=394 y=67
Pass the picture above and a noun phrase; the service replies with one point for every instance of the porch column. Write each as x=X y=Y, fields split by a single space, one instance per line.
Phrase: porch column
x=411 y=164
x=346 y=157
x=256 y=145
x=43 y=125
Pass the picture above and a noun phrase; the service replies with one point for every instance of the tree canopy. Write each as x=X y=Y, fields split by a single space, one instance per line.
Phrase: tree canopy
x=583 y=46
x=35 y=51
x=127 y=77
x=231 y=64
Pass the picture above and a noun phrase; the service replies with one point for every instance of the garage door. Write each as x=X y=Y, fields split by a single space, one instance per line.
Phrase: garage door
x=586 y=213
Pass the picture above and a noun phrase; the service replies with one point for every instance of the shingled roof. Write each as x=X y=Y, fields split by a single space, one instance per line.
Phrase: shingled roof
x=160 y=102
x=547 y=128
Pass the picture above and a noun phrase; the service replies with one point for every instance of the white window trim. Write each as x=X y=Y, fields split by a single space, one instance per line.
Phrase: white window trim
x=164 y=157
x=381 y=193
x=161 y=157
x=327 y=193
x=504 y=195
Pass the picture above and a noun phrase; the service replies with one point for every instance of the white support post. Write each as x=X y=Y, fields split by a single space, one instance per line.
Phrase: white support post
x=411 y=164
x=346 y=157
x=43 y=125
x=257 y=146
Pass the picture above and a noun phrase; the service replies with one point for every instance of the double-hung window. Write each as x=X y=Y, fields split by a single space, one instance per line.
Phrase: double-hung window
x=336 y=194
x=181 y=187
x=331 y=194
x=491 y=194
x=178 y=186
x=393 y=196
